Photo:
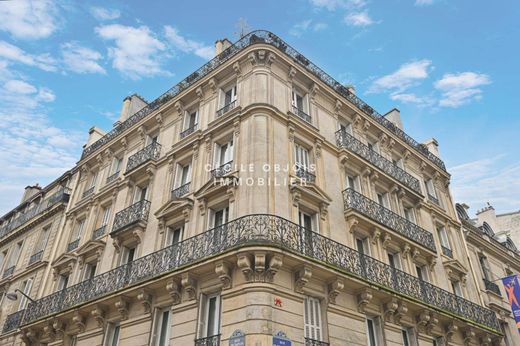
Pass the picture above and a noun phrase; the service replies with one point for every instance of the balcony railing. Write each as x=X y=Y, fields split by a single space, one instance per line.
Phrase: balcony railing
x=112 y=177
x=221 y=171
x=36 y=257
x=312 y=342
x=88 y=192
x=301 y=114
x=226 y=108
x=208 y=341
x=8 y=272
x=349 y=142
x=188 y=131
x=150 y=152
x=180 y=191
x=447 y=251
x=136 y=212
x=13 y=321
x=492 y=287
x=46 y=204
x=73 y=245
x=268 y=38
x=433 y=199
x=305 y=174
x=388 y=218
x=99 y=232
x=268 y=230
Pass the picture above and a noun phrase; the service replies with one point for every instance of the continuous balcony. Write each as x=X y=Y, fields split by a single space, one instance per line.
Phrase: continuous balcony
x=221 y=171
x=373 y=210
x=135 y=213
x=148 y=153
x=349 y=142
x=301 y=114
x=181 y=191
x=13 y=321
x=208 y=341
x=265 y=38
x=271 y=231
x=226 y=108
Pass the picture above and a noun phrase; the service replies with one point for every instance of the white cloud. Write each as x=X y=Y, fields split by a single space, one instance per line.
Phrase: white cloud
x=19 y=87
x=332 y=5
x=81 y=59
x=102 y=13
x=423 y=2
x=29 y=19
x=14 y=54
x=410 y=98
x=186 y=45
x=461 y=88
x=358 y=19
x=136 y=52
x=406 y=76
x=300 y=28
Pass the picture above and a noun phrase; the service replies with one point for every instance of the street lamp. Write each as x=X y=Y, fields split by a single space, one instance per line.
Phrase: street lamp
x=14 y=296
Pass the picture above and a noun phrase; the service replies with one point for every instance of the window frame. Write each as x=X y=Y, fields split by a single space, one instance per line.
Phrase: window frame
x=218 y=314
x=312 y=312
x=159 y=324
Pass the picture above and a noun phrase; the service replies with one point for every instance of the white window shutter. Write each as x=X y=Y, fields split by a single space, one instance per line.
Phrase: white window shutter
x=312 y=318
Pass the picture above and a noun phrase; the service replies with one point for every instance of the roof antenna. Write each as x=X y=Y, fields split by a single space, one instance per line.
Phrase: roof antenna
x=243 y=28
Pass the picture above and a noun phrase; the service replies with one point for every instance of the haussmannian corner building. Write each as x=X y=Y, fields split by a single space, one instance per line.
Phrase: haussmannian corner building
x=257 y=200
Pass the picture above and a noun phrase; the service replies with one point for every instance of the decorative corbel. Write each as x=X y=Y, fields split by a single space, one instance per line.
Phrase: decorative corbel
x=202 y=206
x=59 y=328
x=195 y=148
x=98 y=313
x=48 y=332
x=244 y=263
x=335 y=287
x=402 y=310
x=364 y=299
x=337 y=106
x=432 y=262
x=270 y=58
x=260 y=260
x=357 y=121
x=390 y=309
x=124 y=143
x=292 y=73
x=302 y=278
x=252 y=58
x=99 y=159
x=291 y=130
x=450 y=330
x=434 y=321
x=236 y=126
x=121 y=305
x=422 y=166
x=366 y=125
x=174 y=289
x=314 y=91
x=261 y=55
x=352 y=223
x=179 y=107
x=386 y=241
x=383 y=139
x=275 y=263
x=138 y=235
x=317 y=148
x=207 y=140
x=406 y=154
x=145 y=297
x=189 y=285
x=415 y=254
x=237 y=69
x=296 y=196
x=422 y=320
x=469 y=335
x=486 y=340
x=159 y=119
x=200 y=93
x=117 y=244
x=223 y=273
x=79 y=321
x=186 y=213
x=390 y=144
x=375 y=236
x=212 y=83
x=141 y=131
x=324 y=210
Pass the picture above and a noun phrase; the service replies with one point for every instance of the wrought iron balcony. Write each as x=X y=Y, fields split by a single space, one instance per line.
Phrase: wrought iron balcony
x=112 y=177
x=447 y=251
x=268 y=230
x=8 y=272
x=208 y=341
x=88 y=192
x=301 y=114
x=13 y=321
x=386 y=217
x=305 y=174
x=135 y=213
x=180 y=191
x=312 y=342
x=61 y=196
x=150 y=152
x=492 y=287
x=36 y=257
x=226 y=108
x=433 y=199
x=99 y=232
x=221 y=171
x=73 y=245
x=188 y=131
x=349 y=142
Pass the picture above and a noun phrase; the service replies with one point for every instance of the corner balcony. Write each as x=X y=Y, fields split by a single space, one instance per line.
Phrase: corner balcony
x=137 y=212
x=373 y=210
x=349 y=142
x=279 y=234
x=208 y=341
x=13 y=321
x=148 y=153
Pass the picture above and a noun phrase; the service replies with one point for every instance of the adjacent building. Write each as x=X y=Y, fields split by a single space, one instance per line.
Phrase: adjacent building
x=259 y=199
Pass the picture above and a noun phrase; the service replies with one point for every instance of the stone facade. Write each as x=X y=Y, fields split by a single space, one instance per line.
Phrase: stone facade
x=260 y=196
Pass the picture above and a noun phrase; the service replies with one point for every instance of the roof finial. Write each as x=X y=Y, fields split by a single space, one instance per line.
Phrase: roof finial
x=242 y=28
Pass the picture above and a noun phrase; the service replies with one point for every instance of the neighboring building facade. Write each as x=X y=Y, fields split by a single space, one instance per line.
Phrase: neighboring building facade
x=258 y=197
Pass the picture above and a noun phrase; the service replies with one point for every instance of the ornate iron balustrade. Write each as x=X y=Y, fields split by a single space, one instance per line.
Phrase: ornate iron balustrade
x=433 y=199
x=304 y=174
x=136 y=212
x=181 y=191
x=262 y=37
x=221 y=171
x=447 y=251
x=312 y=342
x=36 y=257
x=189 y=131
x=491 y=286
x=208 y=341
x=226 y=108
x=301 y=114
x=8 y=272
x=150 y=152
x=73 y=245
x=266 y=230
x=99 y=232
x=88 y=192
x=112 y=177
x=13 y=321
x=388 y=218
x=347 y=141
x=61 y=196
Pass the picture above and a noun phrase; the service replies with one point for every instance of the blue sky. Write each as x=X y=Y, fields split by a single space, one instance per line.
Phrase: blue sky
x=451 y=67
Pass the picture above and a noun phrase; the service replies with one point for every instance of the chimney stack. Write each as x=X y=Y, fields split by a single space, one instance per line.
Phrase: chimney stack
x=394 y=116
x=222 y=45
x=30 y=191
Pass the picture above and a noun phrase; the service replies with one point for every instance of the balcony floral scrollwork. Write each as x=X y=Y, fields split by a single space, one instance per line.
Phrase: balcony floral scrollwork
x=208 y=341
x=349 y=142
x=136 y=212
x=226 y=108
x=150 y=152
x=12 y=322
x=305 y=174
x=222 y=170
x=268 y=230
x=181 y=191
x=356 y=201
x=99 y=232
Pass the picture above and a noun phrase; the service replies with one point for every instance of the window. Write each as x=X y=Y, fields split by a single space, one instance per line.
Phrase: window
x=162 y=327
x=230 y=95
x=183 y=174
x=443 y=236
x=212 y=316
x=406 y=337
x=306 y=220
x=42 y=241
x=90 y=271
x=457 y=288
x=140 y=194
x=504 y=327
x=422 y=273
x=353 y=183
x=26 y=288
x=93 y=180
x=299 y=101
x=382 y=199
x=362 y=246
x=15 y=255
x=112 y=334
x=372 y=331
x=224 y=153
x=220 y=217
x=190 y=120
x=484 y=265
x=399 y=163
x=394 y=260
x=116 y=165
x=174 y=236
x=345 y=127
x=63 y=281
x=78 y=230
x=128 y=254
x=312 y=318
x=3 y=255
x=374 y=146
x=152 y=139
x=409 y=214
x=302 y=157
x=105 y=217
x=430 y=188
x=439 y=341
